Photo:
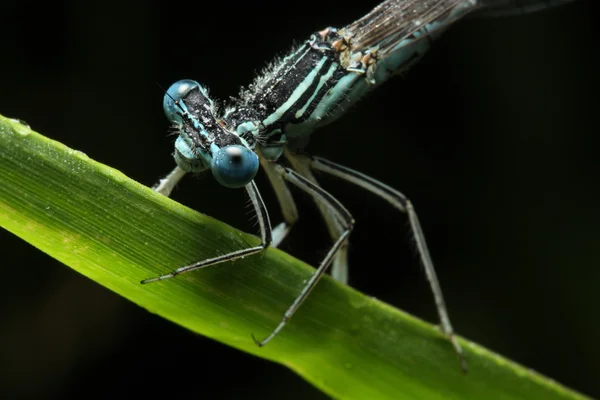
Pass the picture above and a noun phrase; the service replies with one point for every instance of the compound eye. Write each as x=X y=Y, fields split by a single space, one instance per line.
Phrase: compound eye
x=172 y=102
x=234 y=166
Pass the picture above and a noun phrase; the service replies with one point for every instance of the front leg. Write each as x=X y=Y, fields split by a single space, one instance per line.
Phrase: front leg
x=166 y=185
x=265 y=241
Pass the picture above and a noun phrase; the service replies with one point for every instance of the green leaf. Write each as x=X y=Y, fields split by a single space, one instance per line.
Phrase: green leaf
x=117 y=232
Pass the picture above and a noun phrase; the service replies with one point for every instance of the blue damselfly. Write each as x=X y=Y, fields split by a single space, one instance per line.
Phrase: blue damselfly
x=311 y=87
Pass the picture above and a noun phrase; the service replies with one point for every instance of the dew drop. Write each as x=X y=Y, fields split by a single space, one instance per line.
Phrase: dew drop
x=20 y=121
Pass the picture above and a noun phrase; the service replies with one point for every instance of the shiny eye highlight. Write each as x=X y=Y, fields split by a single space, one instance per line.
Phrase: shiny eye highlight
x=172 y=104
x=234 y=166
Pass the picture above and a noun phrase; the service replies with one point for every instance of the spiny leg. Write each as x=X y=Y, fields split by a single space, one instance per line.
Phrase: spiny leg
x=400 y=202
x=265 y=235
x=345 y=219
x=339 y=270
x=285 y=199
x=166 y=185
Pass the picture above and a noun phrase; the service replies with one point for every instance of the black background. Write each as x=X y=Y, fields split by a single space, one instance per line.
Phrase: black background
x=491 y=136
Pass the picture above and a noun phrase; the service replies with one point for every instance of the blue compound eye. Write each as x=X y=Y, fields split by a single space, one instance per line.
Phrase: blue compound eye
x=172 y=104
x=234 y=166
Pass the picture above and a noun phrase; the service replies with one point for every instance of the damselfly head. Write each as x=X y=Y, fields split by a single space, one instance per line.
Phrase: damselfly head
x=203 y=142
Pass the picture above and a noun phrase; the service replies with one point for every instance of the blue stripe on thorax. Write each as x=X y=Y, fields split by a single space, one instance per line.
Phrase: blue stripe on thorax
x=298 y=92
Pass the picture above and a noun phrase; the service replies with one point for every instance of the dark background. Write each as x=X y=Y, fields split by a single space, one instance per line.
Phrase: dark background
x=491 y=136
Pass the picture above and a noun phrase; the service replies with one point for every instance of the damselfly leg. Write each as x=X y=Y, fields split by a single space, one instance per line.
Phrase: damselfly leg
x=339 y=269
x=344 y=218
x=285 y=199
x=166 y=185
x=401 y=203
x=265 y=240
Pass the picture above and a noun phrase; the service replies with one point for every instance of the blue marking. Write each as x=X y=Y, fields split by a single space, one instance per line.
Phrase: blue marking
x=296 y=94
